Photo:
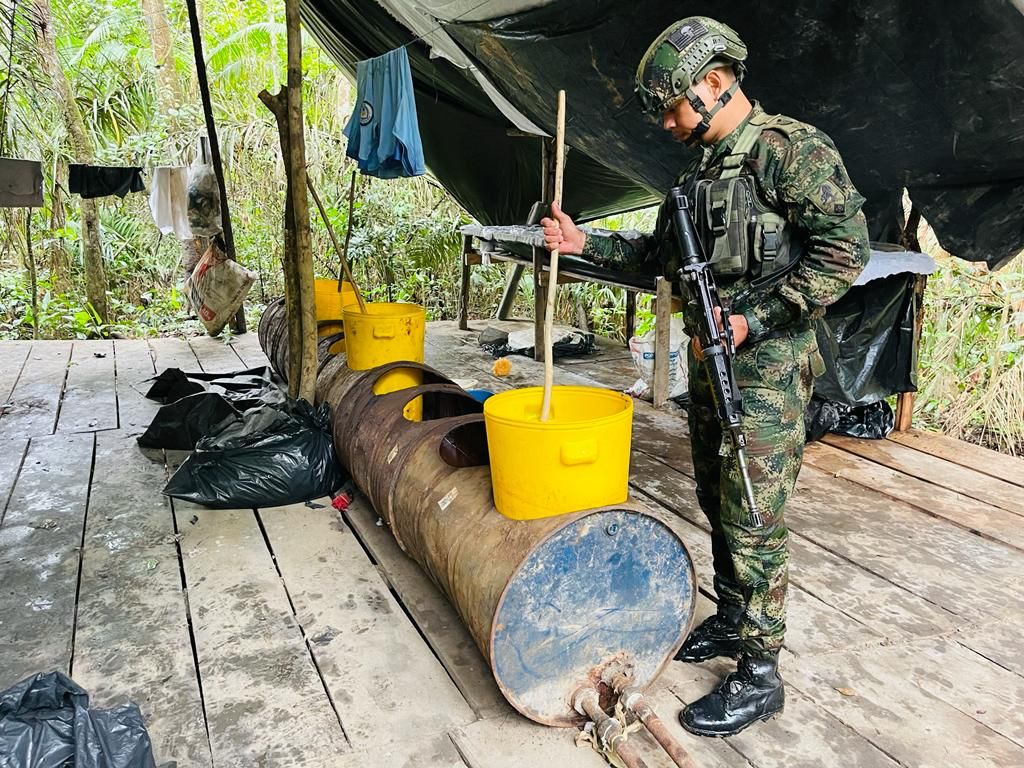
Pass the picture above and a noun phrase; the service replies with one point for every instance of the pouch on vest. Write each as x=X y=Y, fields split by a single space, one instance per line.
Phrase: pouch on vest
x=725 y=207
x=742 y=236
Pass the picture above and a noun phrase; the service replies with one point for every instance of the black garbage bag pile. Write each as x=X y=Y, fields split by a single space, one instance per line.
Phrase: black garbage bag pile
x=198 y=404
x=46 y=722
x=873 y=421
x=253 y=446
x=275 y=455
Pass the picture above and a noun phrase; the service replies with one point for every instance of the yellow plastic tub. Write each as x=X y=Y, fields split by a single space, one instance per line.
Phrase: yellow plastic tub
x=384 y=334
x=330 y=303
x=578 y=459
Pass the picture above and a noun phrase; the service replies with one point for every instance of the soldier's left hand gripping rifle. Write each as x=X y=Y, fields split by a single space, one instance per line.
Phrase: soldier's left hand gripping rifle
x=716 y=340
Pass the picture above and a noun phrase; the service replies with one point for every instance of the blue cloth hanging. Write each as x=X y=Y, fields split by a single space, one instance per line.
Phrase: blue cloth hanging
x=383 y=132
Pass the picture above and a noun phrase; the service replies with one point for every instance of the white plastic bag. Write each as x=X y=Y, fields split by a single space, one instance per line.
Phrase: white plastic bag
x=642 y=349
x=216 y=289
x=203 y=195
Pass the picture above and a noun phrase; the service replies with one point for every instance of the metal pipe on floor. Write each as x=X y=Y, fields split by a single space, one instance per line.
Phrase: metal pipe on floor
x=633 y=700
x=607 y=729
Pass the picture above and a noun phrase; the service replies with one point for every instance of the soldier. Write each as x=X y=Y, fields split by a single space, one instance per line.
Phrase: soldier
x=782 y=227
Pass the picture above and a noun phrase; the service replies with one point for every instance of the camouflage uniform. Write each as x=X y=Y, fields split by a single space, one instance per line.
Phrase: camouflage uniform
x=800 y=175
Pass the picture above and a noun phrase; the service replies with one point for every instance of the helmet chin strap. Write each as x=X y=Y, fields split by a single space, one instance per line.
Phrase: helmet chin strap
x=705 y=114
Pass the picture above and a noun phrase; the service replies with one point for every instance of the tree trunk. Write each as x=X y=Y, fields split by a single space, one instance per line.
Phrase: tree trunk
x=169 y=94
x=81 y=147
x=31 y=264
x=274 y=55
x=55 y=249
x=295 y=164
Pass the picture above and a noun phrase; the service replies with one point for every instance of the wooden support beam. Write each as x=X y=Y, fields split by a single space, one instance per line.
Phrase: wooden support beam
x=538 y=304
x=662 y=334
x=277 y=105
x=238 y=324
x=467 y=248
x=300 y=307
x=508 y=297
x=905 y=400
x=630 y=314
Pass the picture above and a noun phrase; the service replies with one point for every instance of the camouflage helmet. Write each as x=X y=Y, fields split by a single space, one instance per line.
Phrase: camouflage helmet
x=680 y=57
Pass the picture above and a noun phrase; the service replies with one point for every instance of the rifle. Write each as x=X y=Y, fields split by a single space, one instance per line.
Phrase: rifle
x=717 y=344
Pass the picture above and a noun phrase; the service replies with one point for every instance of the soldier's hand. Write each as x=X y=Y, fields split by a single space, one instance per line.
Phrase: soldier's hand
x=740 y=331
x=561 y=234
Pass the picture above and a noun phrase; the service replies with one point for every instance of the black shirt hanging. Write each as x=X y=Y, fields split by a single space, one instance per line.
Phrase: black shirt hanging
x=101 y=181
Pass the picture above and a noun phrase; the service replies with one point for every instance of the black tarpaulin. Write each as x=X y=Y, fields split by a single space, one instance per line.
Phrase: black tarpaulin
x=922 y=96
x=466 y=141
x=867 y=338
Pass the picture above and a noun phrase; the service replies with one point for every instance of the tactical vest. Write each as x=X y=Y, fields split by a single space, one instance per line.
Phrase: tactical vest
x=742 y=236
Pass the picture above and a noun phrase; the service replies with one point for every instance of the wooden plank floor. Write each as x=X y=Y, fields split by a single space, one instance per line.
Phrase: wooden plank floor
x=301 y=636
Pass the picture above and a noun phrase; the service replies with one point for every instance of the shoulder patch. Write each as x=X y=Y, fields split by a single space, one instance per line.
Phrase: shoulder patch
x=829 y=197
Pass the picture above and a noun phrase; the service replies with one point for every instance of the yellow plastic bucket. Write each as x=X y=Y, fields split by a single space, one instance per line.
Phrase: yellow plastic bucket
x=387 y=333
x=330 y=303
x=578 y=459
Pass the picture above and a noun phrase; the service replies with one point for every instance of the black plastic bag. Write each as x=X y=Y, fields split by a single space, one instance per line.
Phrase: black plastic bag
x=200 y=404
x=245 y=389
x=874 y=421
x=867 y=342
x=267 y=459
x=180 y=425
x=46 y=722
x=820 y=418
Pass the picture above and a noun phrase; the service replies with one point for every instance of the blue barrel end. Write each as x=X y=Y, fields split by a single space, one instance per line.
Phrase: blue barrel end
x=614 y=588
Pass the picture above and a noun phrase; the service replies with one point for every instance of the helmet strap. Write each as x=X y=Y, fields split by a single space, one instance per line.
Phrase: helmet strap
x=707 y=114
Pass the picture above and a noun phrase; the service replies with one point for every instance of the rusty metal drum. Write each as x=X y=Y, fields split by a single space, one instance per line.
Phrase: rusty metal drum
x=554 y=603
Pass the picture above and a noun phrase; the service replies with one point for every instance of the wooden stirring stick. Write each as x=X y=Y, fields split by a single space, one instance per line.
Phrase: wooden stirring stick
x=549 y=318
x=342 y=254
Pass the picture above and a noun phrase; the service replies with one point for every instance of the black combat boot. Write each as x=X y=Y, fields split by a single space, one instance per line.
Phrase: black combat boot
x=753 y=692
x=716 y=636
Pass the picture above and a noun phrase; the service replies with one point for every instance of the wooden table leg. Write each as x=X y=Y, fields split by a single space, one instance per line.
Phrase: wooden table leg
x=508 y=298
x=467 y=245
x=905 y=400
x=630 y=314
x=539 y=304
x=662 y=334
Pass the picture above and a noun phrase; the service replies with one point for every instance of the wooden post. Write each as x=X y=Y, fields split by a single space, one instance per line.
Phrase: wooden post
x=905 y=400
x=32 y=277
x=296 y=165
x=630 y=314
x=910 y=241
x=538 y=303
x=292 y=289
x=467 y=247
x=238 y=324
x=300 y=307
x=662 y=335
x=508 y=296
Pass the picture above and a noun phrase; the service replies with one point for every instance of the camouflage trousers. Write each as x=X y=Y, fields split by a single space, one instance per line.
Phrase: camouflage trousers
x=775 y=377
